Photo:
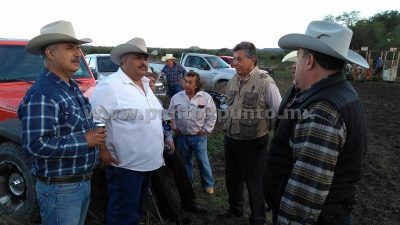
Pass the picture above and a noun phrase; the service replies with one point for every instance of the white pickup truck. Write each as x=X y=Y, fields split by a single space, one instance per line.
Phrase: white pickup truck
x=214 y=72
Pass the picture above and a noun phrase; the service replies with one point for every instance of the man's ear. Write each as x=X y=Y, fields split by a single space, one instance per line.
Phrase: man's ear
x=49 y=54
x=310 y=63
x=254 y=60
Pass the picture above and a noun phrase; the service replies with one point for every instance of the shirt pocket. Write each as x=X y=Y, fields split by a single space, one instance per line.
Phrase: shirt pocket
x=200 y=114
x=230 y=97
x=248 y=128
x=249 y=100
x=73 y=116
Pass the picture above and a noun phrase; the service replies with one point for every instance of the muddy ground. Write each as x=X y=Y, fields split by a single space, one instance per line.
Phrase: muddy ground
x=378 y=198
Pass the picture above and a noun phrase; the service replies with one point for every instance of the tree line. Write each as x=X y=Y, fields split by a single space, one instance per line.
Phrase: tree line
x=379 y=32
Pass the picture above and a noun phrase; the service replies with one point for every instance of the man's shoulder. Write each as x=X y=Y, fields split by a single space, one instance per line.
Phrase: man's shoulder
x=46 y=87
x=233 y=79
x=112 y=79
x=205 y=94
x=264 y=77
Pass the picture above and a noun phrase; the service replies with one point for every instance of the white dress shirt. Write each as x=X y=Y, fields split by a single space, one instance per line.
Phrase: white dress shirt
x=192 y=115
x=273 y=97
x=133 y=121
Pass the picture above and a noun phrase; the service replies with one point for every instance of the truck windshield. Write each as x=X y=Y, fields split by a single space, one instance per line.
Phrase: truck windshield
x=217 y=62
x=17 y=64
x=106 y=65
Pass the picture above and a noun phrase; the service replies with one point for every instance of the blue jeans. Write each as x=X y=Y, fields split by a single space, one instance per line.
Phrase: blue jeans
x=173 y=89
x=126 y=192
x=197 y=144
x=63 y=204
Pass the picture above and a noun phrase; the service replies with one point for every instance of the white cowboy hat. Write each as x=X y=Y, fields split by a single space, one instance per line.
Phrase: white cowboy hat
x=290 y=57
x=167 y=57
x=326 y=37
x=136 y=45
x=56 y=32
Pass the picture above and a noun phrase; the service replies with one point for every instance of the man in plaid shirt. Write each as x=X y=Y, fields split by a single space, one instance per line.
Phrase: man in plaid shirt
x=315 y=159
x=57 y=128
x=174 y=73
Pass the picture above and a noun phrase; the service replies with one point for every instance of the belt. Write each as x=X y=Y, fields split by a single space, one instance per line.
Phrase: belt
x=189 y=135
x=65 y=179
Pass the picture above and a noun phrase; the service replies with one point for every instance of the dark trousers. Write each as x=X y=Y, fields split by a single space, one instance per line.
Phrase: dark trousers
x=245 y=164
x=335 y=214
x=126 y=192
x=173 y=89
x=163 y=191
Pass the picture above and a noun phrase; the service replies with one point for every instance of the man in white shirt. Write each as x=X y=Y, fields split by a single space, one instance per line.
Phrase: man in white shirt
x=194 y=115
x=132 y=114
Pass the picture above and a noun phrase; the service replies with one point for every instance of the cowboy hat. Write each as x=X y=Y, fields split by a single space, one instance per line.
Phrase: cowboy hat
x=136 y=45
x=56 y=32
x=290 y=57
x=326 y=37
x=167 y=57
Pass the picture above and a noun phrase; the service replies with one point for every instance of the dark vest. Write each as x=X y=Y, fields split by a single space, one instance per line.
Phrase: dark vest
x=342 y=96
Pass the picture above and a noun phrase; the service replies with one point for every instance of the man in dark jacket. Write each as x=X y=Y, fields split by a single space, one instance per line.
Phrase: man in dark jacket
x=315 y=158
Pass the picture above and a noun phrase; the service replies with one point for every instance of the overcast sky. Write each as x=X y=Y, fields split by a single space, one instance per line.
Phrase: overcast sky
x=179 y=23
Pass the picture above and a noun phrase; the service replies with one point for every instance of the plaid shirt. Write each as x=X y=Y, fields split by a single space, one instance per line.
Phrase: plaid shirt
x=175 y=74
x=55 y=117
x=318 y=139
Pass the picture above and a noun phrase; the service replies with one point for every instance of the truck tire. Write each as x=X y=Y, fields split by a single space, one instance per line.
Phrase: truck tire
x=221 y=86
x=18 y=203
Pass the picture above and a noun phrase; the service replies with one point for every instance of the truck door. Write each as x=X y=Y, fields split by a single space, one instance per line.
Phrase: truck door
x=200 y=66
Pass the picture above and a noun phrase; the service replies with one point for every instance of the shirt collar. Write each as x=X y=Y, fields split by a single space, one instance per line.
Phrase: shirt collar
x=59 y=81
x=127 y=80
x=183 y=93
x=320 y=85
x=247 y=78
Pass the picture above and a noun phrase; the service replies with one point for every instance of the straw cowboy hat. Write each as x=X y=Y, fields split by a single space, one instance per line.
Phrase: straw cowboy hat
x=136 y=45
x=326 y=37
x=167 y=57
x=56 y=32
x=290 y=57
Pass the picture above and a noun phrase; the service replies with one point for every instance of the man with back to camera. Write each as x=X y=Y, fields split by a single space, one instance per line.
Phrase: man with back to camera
x=315 y=159
x=57 y=128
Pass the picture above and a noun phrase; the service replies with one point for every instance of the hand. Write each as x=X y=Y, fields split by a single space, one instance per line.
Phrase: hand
x=105 y=157
x=169 y=147
x=201 y=132
x=96 y=137
x=172 y=123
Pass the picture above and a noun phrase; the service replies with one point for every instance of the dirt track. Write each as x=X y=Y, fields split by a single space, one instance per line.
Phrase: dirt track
x=378 y=198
